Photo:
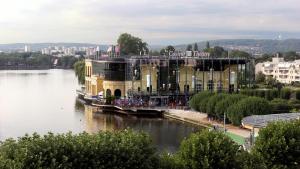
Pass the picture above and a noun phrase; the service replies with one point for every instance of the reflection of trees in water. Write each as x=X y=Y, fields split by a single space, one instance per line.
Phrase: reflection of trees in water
x=165 y=133
x=79 y=106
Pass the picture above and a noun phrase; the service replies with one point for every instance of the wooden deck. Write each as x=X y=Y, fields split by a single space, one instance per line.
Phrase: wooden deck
x=141 y=112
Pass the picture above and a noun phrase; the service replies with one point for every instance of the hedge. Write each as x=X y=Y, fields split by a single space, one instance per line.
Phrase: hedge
x=295 y=104
x=285 y=93
x=297 y=92
x=280 y=106
x=197 y=98
x=223 y=105
x=202 y=104
x=212 y=101
x=124 y=149
x=246 y=107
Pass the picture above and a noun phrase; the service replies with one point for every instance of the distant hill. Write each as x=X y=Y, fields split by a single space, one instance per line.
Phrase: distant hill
x=252 y=45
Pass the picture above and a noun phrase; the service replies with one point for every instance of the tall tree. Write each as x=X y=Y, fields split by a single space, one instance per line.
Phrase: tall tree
x=131 y=45
x=196 y=47
x=170 y=49
x=79 y=68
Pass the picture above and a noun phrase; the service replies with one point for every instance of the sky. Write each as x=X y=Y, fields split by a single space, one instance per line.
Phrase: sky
x=158 y=22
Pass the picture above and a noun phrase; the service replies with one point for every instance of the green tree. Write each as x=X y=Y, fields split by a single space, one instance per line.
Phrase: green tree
x=169 y=49
x=246 y=107
x=208 y=150
x=223 y=105
x=189 y=47
x=79 y=68
x=211 y=104
x=194 y=102
x=131 y=45
x=278 y=144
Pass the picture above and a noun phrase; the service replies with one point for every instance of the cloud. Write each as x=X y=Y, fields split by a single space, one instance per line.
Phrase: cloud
x=157 y=22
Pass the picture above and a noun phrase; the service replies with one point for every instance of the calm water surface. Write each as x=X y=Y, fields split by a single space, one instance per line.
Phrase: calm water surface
x=45 y=101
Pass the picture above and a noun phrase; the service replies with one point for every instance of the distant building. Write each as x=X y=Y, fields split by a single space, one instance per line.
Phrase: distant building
x=27 y=49
x=284 y=72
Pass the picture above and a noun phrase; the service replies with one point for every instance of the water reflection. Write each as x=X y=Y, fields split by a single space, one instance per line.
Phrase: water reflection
x=165 y=133
x=44 y=101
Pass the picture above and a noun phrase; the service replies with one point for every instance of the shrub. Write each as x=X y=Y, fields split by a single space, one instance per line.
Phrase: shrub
x=208 y=150
x=246 y=107
x=280 y=106
x=222 y=106
x=278 y=144
x=285 y=93
x=260 y=93
x=210 y=106
x=197 y=98
x=297 y=92
x=295 y=104
x=124 y=149
x=169 y=161
x=202 y=104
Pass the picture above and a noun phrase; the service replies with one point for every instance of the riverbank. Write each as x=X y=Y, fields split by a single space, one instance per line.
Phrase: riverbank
x=202 y=120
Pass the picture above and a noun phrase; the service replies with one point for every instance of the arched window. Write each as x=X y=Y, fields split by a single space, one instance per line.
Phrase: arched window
x=118 y=93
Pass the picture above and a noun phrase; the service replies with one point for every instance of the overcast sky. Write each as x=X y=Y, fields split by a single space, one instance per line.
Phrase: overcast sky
x=155 y=21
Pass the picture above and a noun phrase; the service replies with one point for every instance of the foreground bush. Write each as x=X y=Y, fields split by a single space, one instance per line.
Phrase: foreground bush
x=246 y=107
x=124 y=149
x=279 y=145
x=223 y=105
x=208 y=150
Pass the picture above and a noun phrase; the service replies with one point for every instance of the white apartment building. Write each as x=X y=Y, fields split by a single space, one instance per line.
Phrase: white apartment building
x=284 y=72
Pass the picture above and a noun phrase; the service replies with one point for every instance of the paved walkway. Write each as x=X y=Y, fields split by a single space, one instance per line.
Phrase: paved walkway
x=201 y=119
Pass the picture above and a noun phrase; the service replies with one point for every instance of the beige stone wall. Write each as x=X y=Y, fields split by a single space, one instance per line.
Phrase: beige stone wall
x=148 y=70
x=114 y=85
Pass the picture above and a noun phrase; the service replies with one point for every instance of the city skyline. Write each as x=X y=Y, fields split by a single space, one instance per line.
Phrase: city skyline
x=158 y=23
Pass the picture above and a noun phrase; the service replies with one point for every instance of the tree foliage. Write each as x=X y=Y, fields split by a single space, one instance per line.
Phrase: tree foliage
x=260 y=78
x=131 y=45
x=285 y=93
x=211 y=105
x=223 y=105
x=124 y=149
x=194 y=102
x=208 y=150
x=279 y=146
x=79 y=68
x=246 y=107
x=280 y=106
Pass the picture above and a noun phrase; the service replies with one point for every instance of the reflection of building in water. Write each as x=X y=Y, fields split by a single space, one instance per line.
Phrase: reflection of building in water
x=95 y=122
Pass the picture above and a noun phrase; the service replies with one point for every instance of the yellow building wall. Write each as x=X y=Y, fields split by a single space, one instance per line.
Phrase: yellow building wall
x=114 y=85
x=148 y=70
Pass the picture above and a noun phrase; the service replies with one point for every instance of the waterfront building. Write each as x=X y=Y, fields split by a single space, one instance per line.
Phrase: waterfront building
x=175 y=77
x=284 y=72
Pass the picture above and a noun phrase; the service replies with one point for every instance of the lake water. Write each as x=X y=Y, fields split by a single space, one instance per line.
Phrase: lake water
x=45 y=101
